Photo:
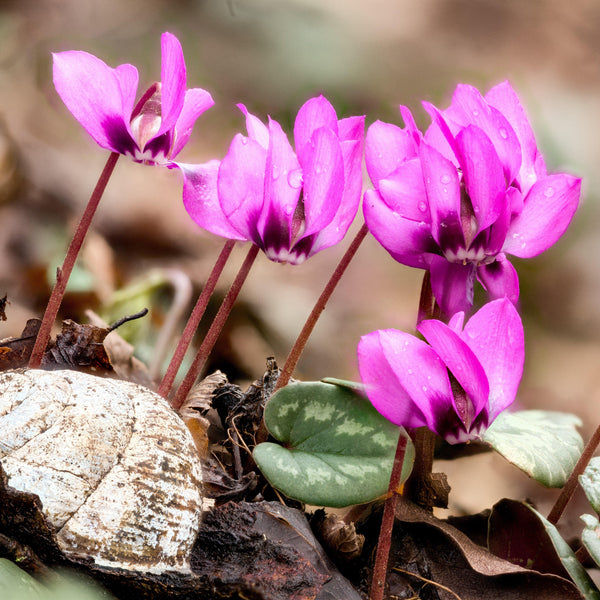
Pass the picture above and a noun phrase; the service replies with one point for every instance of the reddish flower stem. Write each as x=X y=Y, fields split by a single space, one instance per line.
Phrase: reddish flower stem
x=424 y=442
x=194 y=320
x=423 y=438
x=569 y=487
x=215 y=330
x=387 y=524
x=63 y=273
x=298 y=347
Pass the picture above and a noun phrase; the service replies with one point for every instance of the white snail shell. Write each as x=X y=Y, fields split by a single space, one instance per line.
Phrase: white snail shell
x=116 y=469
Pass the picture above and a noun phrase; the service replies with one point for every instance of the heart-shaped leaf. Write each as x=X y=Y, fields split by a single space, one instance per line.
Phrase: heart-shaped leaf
x=543 y=444
x=338 y=450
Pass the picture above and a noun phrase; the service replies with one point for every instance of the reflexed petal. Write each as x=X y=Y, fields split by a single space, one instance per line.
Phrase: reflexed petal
x=352 y=129
x=173 y=82
x=452 y=284
x=257 y=130
x=381 y=382
x=323 y=168
x=280 y=198
x=461 y=361
x=441 y=133
x=404 y=191
x=335 y=231
x=495 y=334
x=422 y=374
x=386 y=147
x=351 y=133
x=411 y=127
x=241 y=186
x=404 y=379
x=201 y=200
x=443 y=193
x=500 y=279
x=471 y=108
x=547 y=211
x=99 y=97
x=196 y=102
x=313 y=114
x=504 y=98
x=406 y=240
x=483 y=175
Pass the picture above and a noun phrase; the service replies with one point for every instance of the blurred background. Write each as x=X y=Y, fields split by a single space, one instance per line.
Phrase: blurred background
x=272 y=55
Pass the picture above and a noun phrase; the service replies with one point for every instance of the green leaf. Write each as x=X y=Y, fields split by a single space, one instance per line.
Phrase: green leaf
x=591 y=536
x=590 y=482
x=15 y=584
x=338 y=449
x=569 y=561
x=543 y=444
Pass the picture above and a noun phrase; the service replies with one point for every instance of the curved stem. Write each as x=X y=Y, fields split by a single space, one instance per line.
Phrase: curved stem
x=194 y=320
x=215 y=329
x=63 y=273
x=298 y=347
x=569 y=488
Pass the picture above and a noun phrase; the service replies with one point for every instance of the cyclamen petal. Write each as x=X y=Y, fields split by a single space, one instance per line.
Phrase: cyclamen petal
x=173 y=79
x=98 y=97
x=401 y=391
x=407 y=379
x=102 y=99
x=200 y=199
x=386 y=147
x=292 y=203
x=547 y=211
x=487 y=195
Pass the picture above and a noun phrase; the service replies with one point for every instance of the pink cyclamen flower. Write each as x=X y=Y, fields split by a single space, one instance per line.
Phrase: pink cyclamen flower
x=474 y=188
x=102 y=99
x=458 y=382
x=291 y=204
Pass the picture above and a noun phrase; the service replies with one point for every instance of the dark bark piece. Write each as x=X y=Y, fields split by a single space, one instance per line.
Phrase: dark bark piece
x=266 y=551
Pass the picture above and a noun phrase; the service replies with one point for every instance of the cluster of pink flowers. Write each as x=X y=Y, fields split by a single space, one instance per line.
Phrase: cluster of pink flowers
x=454 y=200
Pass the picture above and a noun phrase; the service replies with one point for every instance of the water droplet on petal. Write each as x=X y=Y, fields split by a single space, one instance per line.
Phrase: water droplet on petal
x=244 y=140
x=549 y=192
x=445 y=179
x=275 y=173
x=422 y=206
x=475 y=112
x=295 y=178
x=503 y=133
x=424 y=388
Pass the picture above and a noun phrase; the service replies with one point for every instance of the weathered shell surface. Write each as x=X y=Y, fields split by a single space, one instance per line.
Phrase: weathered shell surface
x=114 y=466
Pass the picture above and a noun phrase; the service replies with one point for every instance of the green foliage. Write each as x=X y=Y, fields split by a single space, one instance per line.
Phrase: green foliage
x=543 y=444
x=337 y=449
x=15 y=584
